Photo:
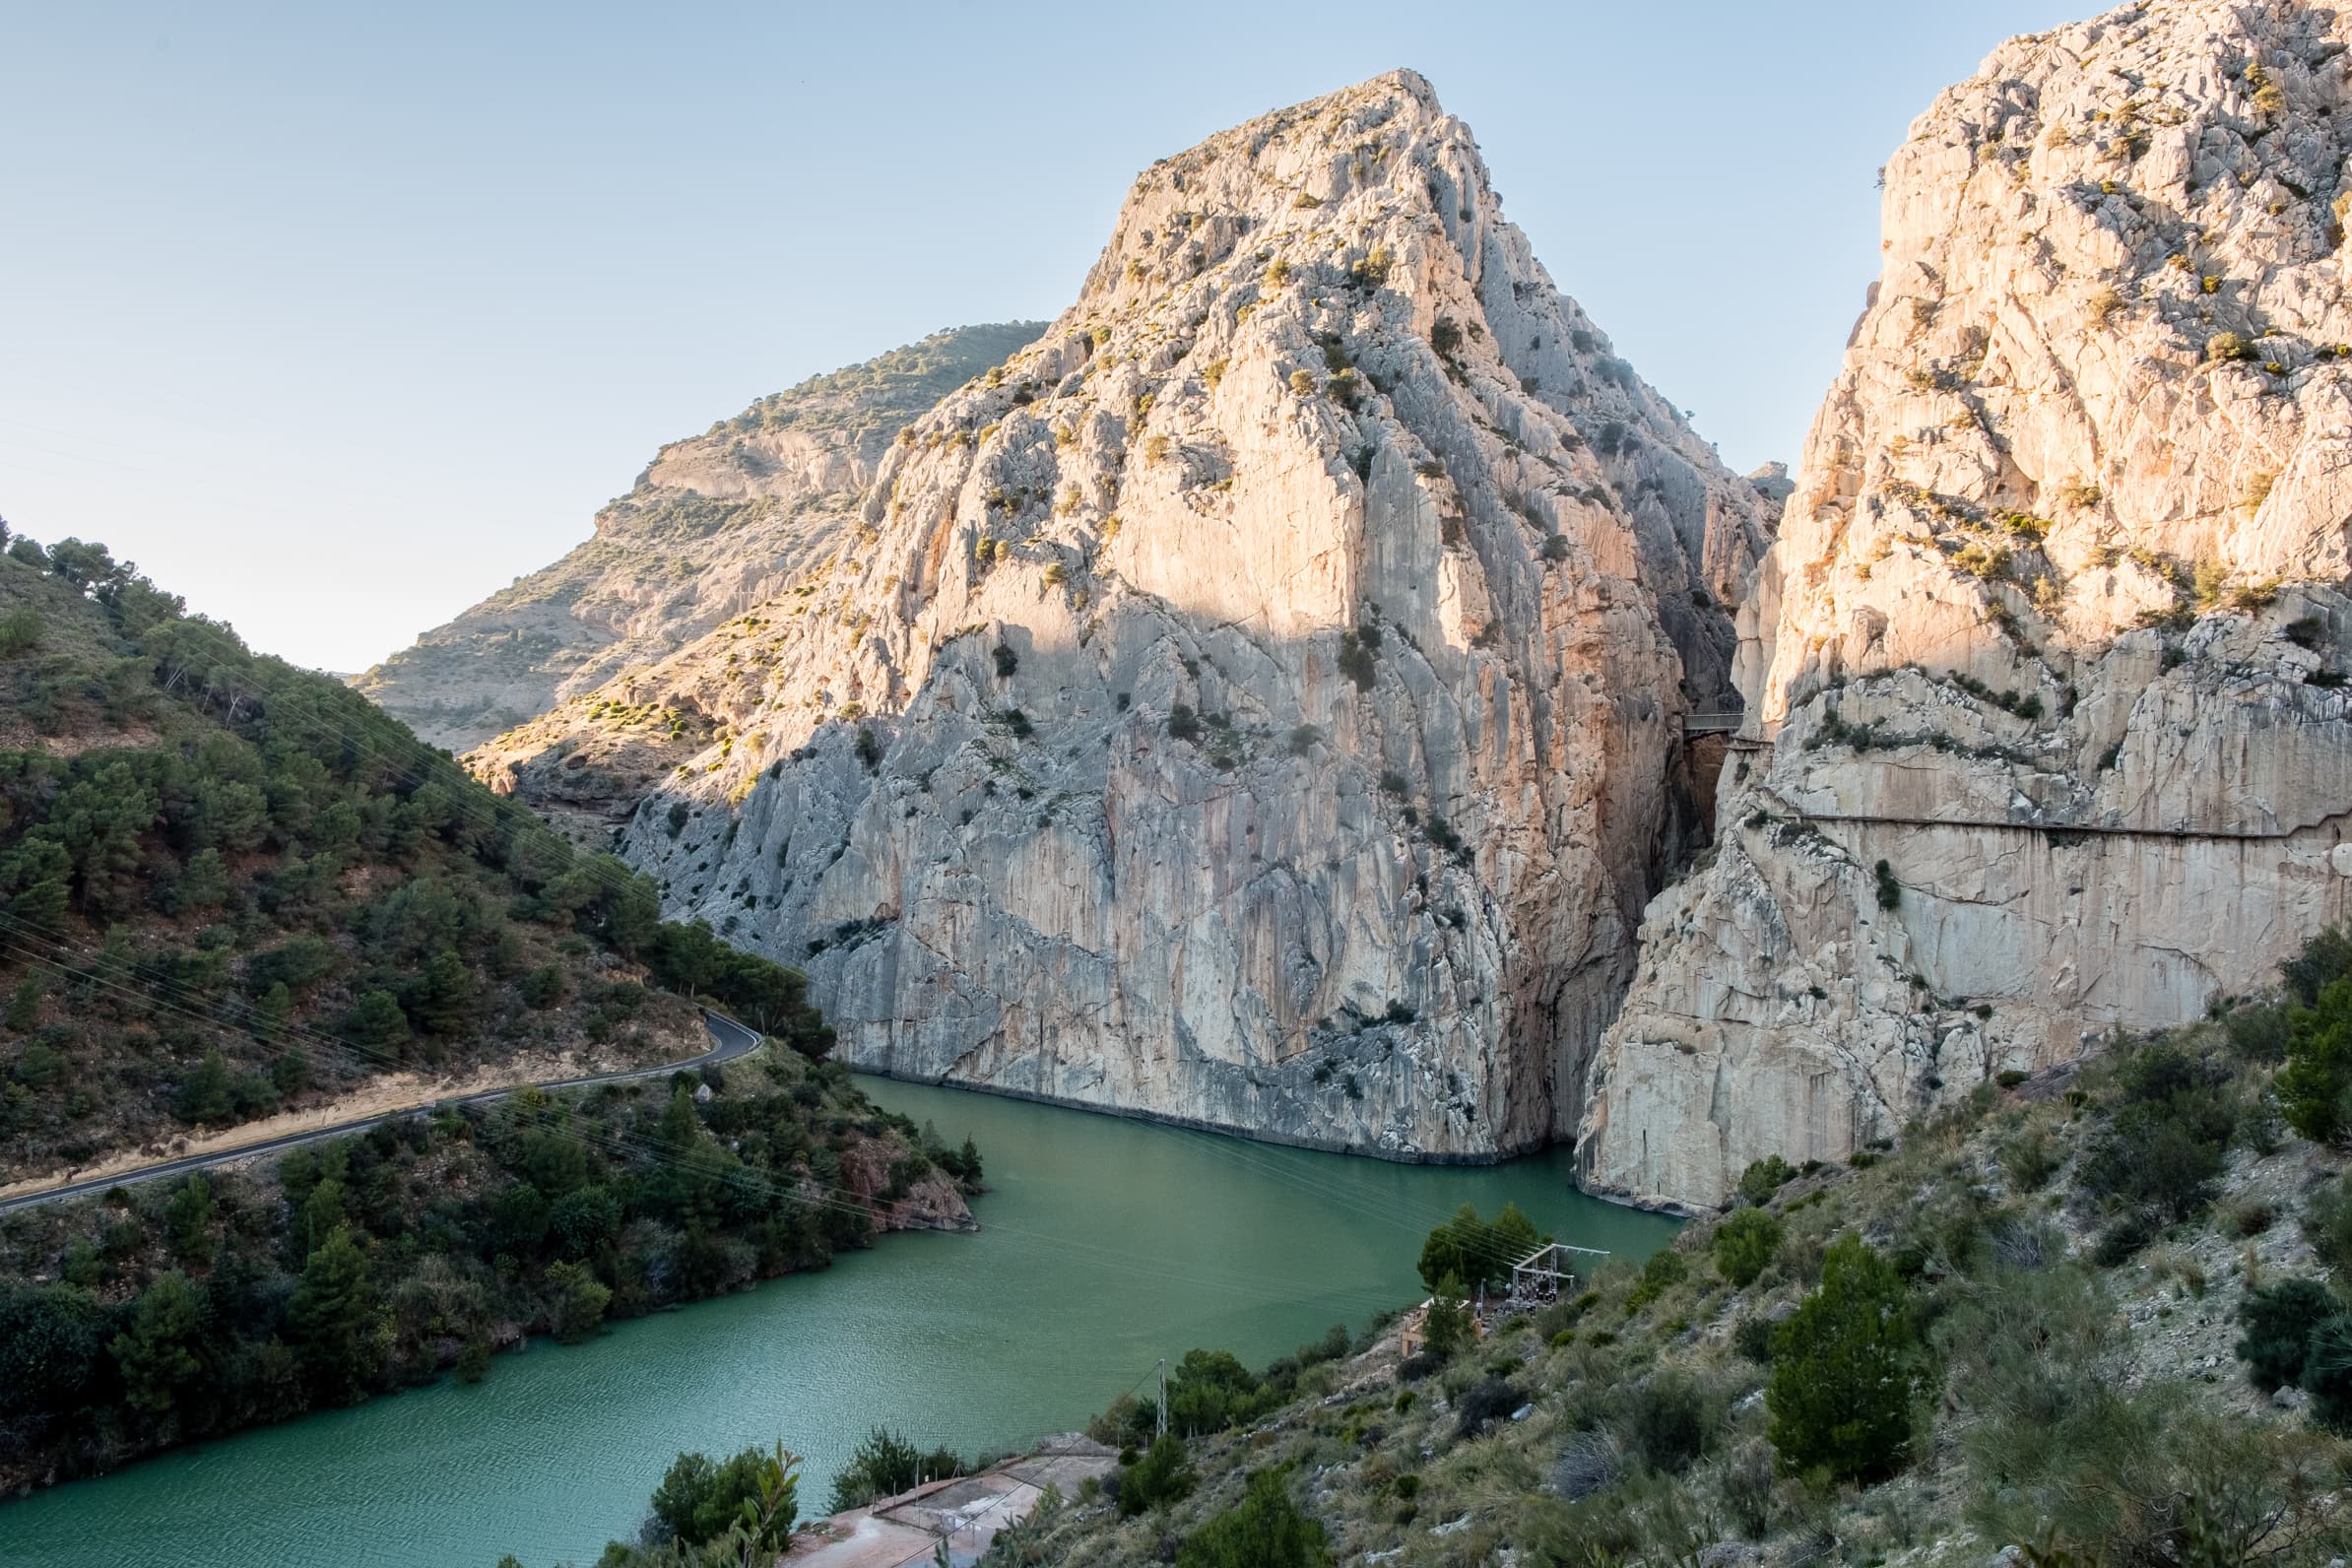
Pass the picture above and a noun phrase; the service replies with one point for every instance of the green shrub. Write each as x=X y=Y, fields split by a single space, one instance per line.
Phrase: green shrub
x=2312 y=1086
x=701 y=1498
x=1210 y=1391
x=2328 y=1225
x=2258 y=1033
x=2279 y=1322
x=1265 y=1529
x=2165 y=1142
x=1163 y=1475
x=1890 y=891
x=1763 y=1178
x=2328 y=1373
x=1668 y=1420
x=1744 y=1243
x=884 y=1464
x=2029 y=1157
x=1666 y=1269
x=19 y=633
x=2326 y=958
x=1848 y=1369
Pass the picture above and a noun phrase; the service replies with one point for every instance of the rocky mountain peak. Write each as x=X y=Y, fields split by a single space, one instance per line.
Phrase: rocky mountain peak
x=1256 y=701
x=716 y=523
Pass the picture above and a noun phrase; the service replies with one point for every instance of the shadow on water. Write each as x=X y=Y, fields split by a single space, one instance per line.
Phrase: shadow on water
x=1107 y=1243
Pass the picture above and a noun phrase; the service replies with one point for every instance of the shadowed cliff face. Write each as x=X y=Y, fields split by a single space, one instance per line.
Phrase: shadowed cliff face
x=2049 y=646
x=716 y=524
x=1257 y=702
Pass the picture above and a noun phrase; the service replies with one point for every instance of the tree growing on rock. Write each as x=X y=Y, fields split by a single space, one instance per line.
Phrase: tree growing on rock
x=1848 y=1370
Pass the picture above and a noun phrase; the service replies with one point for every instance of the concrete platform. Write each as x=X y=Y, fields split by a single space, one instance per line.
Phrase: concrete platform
x=904 y=1531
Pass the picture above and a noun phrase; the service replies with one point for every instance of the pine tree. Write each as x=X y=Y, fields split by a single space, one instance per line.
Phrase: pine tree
x=158 y=1354
x=376 y=1023
x=206 y=1095
x=1848 y=1370
x=336 y=1322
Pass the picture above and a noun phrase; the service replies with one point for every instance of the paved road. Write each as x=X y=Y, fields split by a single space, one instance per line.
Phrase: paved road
x=729 y=1040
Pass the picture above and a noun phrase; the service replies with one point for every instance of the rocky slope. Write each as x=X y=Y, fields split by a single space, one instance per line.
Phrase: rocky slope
x=2046 y=729
x=714 y=525
x=1259 y=702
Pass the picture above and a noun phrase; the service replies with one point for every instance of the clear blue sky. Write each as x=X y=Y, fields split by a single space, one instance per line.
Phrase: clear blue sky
x=337 y=318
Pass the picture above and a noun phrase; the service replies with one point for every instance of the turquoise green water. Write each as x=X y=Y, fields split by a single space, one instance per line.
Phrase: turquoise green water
x=1107 y=1243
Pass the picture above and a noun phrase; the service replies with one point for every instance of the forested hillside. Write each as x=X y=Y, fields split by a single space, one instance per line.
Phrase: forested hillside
x=168 y=1312
x=230 y=887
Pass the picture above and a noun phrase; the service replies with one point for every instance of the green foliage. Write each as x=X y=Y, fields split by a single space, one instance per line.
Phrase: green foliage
x=884 y=1464
x=52 y=1350
x=1477 y=1253
x=205 y=1094
x=1265 y=1529
x=1744 y=1243
x=1210 y=1390
x=1446 y=1328
x=1162 y=1477
x=258 y=855
x=2315 y=1087
x=752 y=1497
x=1668 y=1420
x=1848 y=1370
x=576 y=1302
x=2164 y=1143
x=157 y=1353
x=2279 y=1322
x=189 y=1220
x=1763 y=1178
x=336 y=1322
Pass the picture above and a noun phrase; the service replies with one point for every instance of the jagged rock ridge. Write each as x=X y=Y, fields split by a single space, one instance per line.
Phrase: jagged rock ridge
x=1259 y=702
x=2047 y=730
x=714 y=525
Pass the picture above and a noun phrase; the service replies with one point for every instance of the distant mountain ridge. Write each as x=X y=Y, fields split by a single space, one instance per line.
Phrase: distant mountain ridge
x=716 y=523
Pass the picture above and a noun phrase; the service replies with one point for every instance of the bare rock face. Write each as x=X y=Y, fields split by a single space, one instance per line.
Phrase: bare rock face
x=2046 y=723
x=1256 y=703
x=715 y=524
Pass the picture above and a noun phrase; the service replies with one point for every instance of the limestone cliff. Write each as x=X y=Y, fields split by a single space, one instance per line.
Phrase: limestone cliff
x=2047 y=722
x=716 y=523
x=1259 y=702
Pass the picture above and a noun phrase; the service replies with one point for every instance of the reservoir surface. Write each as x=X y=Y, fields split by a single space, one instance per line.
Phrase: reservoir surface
x=1106 y=1244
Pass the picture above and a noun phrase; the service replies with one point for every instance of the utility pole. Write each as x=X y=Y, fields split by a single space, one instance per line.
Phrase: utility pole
x=1163 y=1395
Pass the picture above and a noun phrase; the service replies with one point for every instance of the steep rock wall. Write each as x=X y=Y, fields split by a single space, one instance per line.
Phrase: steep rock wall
x=1259 y=704
x=2046 y=734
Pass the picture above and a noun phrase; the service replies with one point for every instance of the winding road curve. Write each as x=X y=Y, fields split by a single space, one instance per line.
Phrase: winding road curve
x=729 y=1038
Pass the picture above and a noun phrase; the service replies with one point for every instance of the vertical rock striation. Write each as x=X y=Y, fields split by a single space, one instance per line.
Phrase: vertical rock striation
x=2046 y=729
x=1259 y=702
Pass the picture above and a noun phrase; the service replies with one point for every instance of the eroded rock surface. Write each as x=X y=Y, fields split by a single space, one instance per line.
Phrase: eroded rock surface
x=1259 y=702
x=2047 y=730
x=716 y=524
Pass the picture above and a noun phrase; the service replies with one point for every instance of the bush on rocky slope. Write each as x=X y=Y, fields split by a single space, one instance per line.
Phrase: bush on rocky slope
x=2068 y=1380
